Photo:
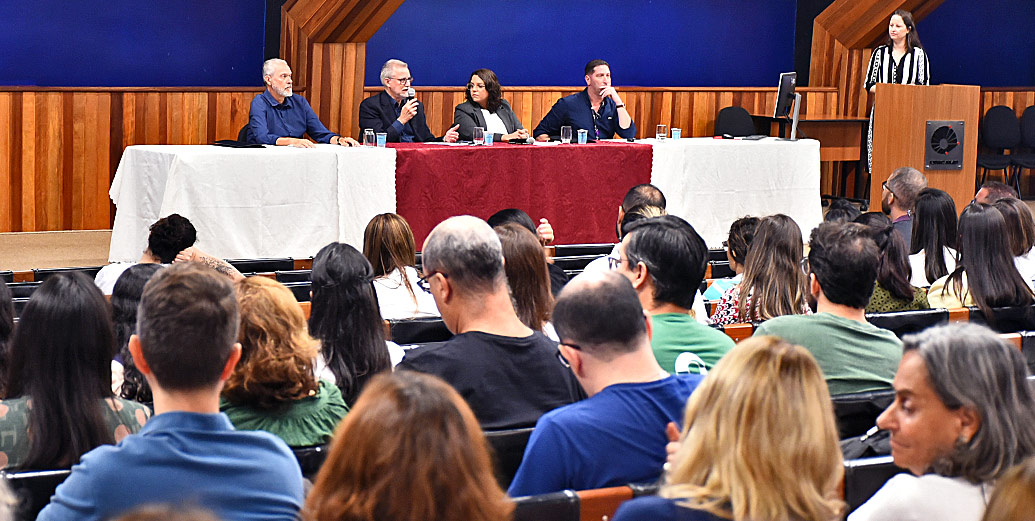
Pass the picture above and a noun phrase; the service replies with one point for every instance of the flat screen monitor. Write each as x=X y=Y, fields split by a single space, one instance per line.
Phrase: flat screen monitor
x=785 y=94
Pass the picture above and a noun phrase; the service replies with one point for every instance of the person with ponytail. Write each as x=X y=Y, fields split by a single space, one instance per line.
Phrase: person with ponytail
x=892 y=291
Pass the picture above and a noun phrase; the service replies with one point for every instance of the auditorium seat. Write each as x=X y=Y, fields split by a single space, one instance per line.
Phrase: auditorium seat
x=39 y=275
x=735 y=121
x=717 y=255
x=907 y=322
x=33 y=490
x=720 y=270
x=22 y=289
x=1028 y=349
x=601 y=503
x=301 y=290
x=1025 y=160
x=1006 y=320
x=310 y=459
x=856 y=413
x=574 y=264
x=6 y=276
x=1000 y=131
x=555 y=506
x=864 y=477
x=419 y=331
x=572 y=250
x=286 y=276
x=19 y=305
x=508 y=447
x=262 y=265
x=738 y=332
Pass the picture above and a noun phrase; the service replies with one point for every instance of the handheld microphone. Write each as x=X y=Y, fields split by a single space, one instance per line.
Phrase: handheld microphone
x=410 y=94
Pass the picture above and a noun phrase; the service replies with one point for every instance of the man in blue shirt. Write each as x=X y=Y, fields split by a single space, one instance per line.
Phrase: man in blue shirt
x=597 y=109
x=279 y=117
x=188 y=452
x=617 y=435
x=395 y=113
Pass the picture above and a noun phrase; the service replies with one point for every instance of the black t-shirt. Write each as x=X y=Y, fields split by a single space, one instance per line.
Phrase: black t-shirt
x=557 y=278
x=509 y=382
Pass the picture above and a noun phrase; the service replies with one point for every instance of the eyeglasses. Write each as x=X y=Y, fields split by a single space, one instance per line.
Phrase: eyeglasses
x=805 y=266
x=561 y=358
x=884 y=185
x=615 y=262
x=403 y=81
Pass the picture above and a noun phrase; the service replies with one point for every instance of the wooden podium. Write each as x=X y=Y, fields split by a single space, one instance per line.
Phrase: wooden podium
x=900 y=118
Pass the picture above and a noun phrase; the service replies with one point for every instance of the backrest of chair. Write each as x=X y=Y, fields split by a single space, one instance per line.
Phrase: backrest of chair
x=721 y=269
x=717 y=255
x=22 y=289
x=1000 y=128
x=33 y=490
x=570 y=250
x=1028 y=127
x=864 y=477
x=310 y=459
x=1006 y=320
x=907 y=322
x=242 y=135
x=735 y=121
x=601 y=503
x=262 y=265
x=555 y=506
x=19 y=305
x=1028 y=349
x=41 y=274
x=301 y=290
x=574 y=262
x=508 y=447
x=856 y=413
x=286 y=276
x=6 y=276
x=419 y=331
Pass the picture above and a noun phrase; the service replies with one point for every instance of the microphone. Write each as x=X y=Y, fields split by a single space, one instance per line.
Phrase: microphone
x=410 y=94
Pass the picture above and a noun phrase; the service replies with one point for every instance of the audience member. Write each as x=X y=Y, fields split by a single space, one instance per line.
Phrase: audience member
x=544 y=232
x=986 y=275
x=486 y=108
x=855 y=355
x=274 y=388
x=1021 y=231
x=841 y=210
x=742 y=232
x=899 y=197
x=166 y=512
x=935 y=230
x=617 y=436
x=345 y=319
x=188 y=452
x=525 y=265
x=396 y=113
x=279 y=117
x=6 y=332
x=509 y=374
x=665 y=260
x=641 y=195
x=168 y=237
x=59 y=403
x=758 y=442
x=773 y=284
x=963 y=414
x=411 y=450
x=1014 y=495
x=993 y=191
x=598 y=109
x=389 y=246
x=892 y=291
x=125 y=298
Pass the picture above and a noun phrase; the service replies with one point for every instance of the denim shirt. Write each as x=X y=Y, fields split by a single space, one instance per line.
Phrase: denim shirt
x=269 y=120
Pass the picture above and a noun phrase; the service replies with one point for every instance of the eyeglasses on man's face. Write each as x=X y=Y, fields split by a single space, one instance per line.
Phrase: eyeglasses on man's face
x=615 y=262
x=404 y=81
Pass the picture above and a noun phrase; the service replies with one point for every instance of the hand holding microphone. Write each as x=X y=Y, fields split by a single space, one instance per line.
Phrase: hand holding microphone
x=409 y=108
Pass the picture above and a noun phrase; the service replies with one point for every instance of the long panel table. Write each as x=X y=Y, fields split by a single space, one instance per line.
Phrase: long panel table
x=286 y=202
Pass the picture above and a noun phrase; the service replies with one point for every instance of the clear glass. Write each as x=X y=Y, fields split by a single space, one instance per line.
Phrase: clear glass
x=662 y=132
x=676 y=133
x=478 y=135
x=382 y=139
x=488 y=138
x=565 y=134
x=583 y=136
x=368 y=137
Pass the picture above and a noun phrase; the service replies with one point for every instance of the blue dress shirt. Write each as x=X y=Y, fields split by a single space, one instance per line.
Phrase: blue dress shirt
x=406 y=133
x=269 y=120
x=577 y=112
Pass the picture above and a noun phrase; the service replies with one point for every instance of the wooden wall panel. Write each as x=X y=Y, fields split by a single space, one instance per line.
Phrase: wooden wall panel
x=1017 y=98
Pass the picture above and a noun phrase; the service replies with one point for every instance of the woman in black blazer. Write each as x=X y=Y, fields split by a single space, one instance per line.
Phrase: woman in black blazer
x=485 y=108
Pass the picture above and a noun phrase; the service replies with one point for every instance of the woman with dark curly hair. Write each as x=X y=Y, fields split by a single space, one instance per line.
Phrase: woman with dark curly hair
x=486 y=108
x=274 y=387
x=125 y=298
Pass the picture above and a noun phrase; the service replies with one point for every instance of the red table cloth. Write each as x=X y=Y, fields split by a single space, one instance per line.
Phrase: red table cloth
x=577 y=187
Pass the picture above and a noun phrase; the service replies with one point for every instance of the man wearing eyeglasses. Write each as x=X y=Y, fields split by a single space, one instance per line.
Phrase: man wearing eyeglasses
x=898 y=197
x=395 y=113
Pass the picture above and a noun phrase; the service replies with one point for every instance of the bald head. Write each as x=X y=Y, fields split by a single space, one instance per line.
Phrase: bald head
x=468 y=252
x=601 y=313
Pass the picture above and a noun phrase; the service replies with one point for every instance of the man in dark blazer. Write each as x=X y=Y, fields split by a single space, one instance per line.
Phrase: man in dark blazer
x=389 y=112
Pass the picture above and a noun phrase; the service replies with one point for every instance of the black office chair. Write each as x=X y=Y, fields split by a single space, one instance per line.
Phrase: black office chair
x=908 y=322
x=864 y=477
x=856 y=413
x=508 y=447
x=242 y=135
x=1000 y=131
x=734 y=121
x=33 y=490
x=555 y=506
x=1022 y=160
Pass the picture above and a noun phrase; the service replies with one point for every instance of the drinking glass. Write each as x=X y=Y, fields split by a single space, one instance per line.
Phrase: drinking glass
x=479 y=135
x=583 y=136
x=662 y=132
x=676 y=133
x=368 y=137
x=565 y=134
x=382 y=138
x=488 y=138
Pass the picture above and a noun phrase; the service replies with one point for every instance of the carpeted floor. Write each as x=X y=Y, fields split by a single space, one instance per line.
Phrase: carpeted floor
x=25 y=251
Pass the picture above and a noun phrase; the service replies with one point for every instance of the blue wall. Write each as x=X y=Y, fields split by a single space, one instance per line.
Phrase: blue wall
x=131 y=42
x=989 y=43
x=548 y=42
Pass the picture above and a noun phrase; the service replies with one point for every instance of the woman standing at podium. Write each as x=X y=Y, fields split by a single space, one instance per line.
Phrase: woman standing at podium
x=901 y=59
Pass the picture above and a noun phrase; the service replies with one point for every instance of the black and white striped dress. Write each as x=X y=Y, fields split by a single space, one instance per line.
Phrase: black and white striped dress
x=912 y=69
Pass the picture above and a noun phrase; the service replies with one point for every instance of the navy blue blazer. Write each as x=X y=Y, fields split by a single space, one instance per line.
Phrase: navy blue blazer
x=378 y=112
x=575 y=111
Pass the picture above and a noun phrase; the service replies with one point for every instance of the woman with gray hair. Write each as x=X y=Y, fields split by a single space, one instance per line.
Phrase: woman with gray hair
x=963 y=414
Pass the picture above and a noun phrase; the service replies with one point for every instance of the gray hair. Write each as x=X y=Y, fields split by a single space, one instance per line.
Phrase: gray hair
x=389 y=66
x=267 y=67
x=466 y=250
x=906 y=182
x=970 y=366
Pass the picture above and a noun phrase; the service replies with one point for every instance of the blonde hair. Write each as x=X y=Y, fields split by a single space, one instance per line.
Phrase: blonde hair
x=1014 y=496
x=759 y=439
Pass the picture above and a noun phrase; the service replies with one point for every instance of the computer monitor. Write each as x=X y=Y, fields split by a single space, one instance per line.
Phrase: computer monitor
x=785 y=94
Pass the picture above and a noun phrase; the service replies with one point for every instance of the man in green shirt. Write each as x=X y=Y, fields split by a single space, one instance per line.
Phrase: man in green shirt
x=665 y=260
x=855 y=355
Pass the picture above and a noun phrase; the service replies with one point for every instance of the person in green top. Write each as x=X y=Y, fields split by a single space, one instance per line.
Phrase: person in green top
x=665 y=260
x=855 y=356
x=274 y=387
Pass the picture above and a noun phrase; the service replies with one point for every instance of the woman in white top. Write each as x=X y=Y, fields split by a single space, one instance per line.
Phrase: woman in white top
x=934 y=229
x=486 y=108
x=963 y=414
x=1021 y=230
x=389 y=246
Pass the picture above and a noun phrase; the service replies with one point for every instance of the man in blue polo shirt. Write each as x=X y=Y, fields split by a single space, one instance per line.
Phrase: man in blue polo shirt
x=617 y=435
x=597 y=109
x=279 y=117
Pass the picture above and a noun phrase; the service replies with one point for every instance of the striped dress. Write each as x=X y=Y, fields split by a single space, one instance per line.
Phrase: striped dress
x=912 y=69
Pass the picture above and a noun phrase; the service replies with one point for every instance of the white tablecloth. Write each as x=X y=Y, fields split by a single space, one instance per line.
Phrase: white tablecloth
x=713 y=182
x=249 y=203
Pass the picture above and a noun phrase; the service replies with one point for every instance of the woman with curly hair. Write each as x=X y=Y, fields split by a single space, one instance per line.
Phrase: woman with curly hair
x=274 y=388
